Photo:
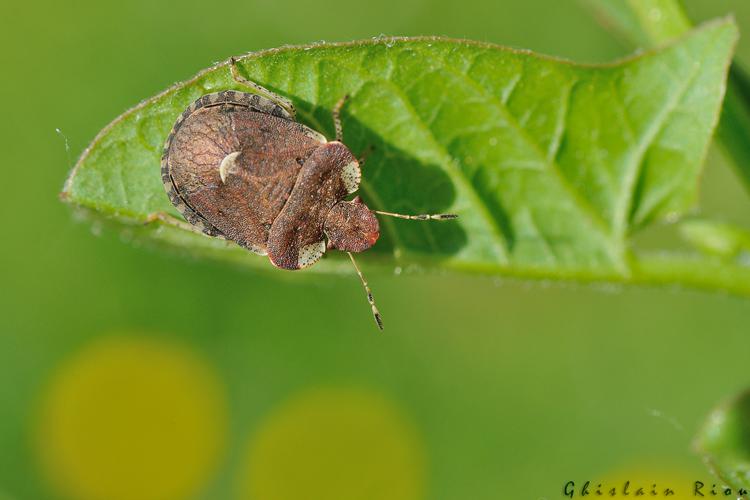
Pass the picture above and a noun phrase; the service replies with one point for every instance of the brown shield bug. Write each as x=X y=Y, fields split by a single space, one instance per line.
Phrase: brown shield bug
x=238 y=166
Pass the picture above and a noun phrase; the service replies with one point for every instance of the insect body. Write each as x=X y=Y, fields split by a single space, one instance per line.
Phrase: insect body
x=238 y=166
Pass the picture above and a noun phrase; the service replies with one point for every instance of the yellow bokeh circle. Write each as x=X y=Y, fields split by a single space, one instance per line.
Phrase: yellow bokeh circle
x=331 y=444
x=131 y=418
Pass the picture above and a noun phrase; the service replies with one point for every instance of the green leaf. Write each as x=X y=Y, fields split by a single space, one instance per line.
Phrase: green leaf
x=734 y=127
x=551 y=165
x=718 y=238
x=650 y=23
x=647 y=23
x=724 y=443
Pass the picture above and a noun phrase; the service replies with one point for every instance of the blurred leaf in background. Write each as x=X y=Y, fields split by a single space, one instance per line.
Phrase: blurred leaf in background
x=724 y=444
x=483 y=388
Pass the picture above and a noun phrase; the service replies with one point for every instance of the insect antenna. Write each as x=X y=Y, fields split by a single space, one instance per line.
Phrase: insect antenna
x=419 y=216
x=337 y=118
x=375 y=312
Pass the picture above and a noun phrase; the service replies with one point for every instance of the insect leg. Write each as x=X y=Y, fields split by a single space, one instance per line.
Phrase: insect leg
x=419 y=216
x=259 y=89
x=370 y=299
x=170 y=220
x=336 y=112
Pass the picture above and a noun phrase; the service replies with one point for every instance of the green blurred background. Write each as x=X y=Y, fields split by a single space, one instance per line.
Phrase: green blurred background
x=127 y=373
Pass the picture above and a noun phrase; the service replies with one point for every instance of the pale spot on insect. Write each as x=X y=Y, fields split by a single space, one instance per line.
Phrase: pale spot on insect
x=258 y=250
x=351 y=175
x=315 y=135
x=227 y=165
x=310 y=254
